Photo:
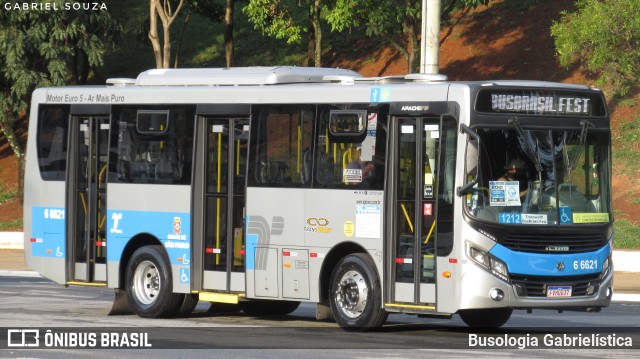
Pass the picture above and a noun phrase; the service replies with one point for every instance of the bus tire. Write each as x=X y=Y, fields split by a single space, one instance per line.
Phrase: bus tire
x=149 y=284
x=188 y=303
x=259 y=307
x=355 y=294
x=485 y=318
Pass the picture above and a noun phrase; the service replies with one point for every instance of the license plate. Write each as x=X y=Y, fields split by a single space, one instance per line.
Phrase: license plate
x=559 y=291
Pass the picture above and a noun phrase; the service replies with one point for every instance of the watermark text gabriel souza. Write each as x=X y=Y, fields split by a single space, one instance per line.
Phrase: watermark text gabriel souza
x=55 y=6
x=33 y=338
x=573 y=340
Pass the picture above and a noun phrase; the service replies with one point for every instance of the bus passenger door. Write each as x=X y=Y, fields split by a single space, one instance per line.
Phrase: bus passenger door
x=86 y=198
x=224 y=207
x=414 y=241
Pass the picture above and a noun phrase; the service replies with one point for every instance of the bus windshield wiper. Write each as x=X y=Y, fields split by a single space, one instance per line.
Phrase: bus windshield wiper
x=534 y=154
x=572 y=163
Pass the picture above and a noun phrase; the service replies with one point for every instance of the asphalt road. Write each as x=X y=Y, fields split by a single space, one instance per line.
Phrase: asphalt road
x=82 y=313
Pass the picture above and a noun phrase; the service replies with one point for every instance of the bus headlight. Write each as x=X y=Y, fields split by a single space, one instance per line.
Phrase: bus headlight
x=479 y=256
x=499 y=269
x=489 y=262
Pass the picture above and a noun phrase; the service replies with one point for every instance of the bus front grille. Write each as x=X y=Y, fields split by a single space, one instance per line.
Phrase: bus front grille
x=554 y=243
x=536 y=286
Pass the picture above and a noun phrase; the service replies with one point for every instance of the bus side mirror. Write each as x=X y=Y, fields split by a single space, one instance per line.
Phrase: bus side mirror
x=472 y=160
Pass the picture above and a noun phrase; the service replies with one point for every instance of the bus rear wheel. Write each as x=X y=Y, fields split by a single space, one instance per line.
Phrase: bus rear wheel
x=486 y=318
x=355 y=294
x=149 y=284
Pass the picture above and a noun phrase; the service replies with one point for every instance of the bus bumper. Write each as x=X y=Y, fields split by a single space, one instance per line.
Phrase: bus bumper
x=480 y=289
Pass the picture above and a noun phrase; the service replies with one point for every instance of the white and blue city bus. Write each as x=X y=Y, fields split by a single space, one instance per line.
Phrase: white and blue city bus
x=267 y=187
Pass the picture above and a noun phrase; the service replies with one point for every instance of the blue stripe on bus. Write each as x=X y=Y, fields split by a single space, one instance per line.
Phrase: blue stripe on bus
x=252 y=243
x=547 y=264
x=171 y=228
x=48 y=232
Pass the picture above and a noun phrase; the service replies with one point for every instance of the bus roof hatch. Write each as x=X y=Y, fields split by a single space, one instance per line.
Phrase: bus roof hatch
x=239 y=76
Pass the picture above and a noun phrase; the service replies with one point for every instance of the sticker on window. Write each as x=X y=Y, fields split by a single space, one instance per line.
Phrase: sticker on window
x=352 y=175
x=529 y=218
x=590 y=217
x=504 y=193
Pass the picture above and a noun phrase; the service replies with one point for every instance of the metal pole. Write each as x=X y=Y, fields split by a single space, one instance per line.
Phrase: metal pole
x=431 y=37
x=423 y=38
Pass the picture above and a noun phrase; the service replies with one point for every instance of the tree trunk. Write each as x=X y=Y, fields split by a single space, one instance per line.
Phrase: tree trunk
x=317 y=33
x=14 y=142
x=167 y=15
x=153 y=33
x=228 y=33
x=166 y=53
x=412 y=46
x=411 y=43
x=311 y=46
x=176 y=58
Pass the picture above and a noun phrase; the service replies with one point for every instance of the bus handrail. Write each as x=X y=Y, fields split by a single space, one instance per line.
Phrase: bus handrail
x=464 y=188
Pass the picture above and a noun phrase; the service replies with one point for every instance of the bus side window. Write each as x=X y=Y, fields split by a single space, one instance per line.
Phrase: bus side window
x=350 y=160
x=153 y=157
x=284 y=137
x=52 y=142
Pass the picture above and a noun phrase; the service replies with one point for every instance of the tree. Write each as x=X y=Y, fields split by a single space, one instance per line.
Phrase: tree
x=215 y=13
x=163 y=9
x=398 y=22
x=604 y=37
x=46 y=48
x=289 y=19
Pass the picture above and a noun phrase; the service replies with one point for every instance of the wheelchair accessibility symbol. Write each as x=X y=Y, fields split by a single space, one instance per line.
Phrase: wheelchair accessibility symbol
x=184 y=275
x=565 y=215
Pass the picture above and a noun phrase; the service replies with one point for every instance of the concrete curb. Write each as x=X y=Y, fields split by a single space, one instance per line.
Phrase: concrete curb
x=19 y=273
x=626 y=261
x=11 y=240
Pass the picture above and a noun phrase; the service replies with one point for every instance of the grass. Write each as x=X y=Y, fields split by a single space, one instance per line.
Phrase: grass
x=626 y=235
x=625 y=140
x=10 y=225
x=5 y=194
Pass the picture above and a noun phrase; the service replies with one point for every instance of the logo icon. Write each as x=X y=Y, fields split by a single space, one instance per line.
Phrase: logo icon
x=177 y=226
x=23 y=337
x=116 y=217
x=317 y=222
x=560 y=266
x=184 y=275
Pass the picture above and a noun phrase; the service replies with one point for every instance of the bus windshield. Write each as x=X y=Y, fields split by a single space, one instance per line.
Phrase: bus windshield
x=542 y=176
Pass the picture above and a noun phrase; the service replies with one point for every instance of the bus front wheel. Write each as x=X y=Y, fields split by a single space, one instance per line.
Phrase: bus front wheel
x=486 y=318
x=355 y=295
x=149 y=284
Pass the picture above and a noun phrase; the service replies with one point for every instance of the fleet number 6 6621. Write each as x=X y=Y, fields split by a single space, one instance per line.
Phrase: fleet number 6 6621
x=585 y=264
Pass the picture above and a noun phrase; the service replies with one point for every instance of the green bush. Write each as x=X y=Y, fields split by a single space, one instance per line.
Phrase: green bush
x=603 y=37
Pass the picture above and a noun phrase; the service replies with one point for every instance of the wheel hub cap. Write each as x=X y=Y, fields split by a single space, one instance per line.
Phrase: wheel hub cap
x=146 y=282
x=351 y=294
